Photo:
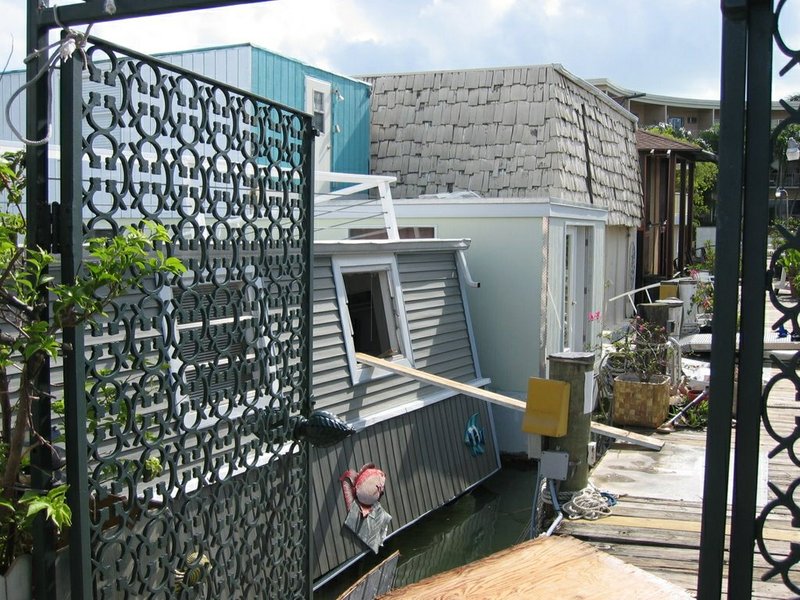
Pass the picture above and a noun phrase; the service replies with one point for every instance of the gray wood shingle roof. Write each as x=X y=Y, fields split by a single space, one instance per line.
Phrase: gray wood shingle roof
x=514 y=132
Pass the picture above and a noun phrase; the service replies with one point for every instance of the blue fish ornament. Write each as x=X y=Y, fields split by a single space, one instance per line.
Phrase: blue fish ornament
x=473 y=436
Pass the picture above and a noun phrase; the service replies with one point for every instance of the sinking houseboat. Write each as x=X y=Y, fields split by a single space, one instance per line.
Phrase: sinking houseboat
x=402 y=300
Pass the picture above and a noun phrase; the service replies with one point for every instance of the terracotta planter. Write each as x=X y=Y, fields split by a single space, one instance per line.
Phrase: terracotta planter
x=640 y=403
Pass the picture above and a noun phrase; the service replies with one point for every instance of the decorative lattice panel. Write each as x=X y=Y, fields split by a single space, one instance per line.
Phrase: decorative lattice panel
x=195 y=382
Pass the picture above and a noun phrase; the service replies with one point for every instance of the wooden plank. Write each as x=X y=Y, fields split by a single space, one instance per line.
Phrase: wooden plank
x=469 y=390
x=376 y=582
x=499 y=399
x=627 y=436
x=551 y=567
x=781 y=535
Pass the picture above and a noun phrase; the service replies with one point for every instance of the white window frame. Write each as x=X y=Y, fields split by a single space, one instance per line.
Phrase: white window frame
x=323 y=146
x=387 y=264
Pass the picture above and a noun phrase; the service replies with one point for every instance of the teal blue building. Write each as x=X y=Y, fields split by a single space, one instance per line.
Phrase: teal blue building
x=339 y=104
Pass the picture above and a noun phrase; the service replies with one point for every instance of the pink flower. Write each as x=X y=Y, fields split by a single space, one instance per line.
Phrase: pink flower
x=594 y=316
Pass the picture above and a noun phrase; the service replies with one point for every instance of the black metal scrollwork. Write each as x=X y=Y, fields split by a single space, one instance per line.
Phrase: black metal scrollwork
x=196 y=383
x=783 y=556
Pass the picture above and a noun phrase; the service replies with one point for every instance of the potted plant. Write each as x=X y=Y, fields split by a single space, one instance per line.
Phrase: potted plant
x=703 y=304
x=28 y=338
x=641 y=393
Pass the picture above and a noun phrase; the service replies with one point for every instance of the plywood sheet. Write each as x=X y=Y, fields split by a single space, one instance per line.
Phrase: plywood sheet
x=554 y=567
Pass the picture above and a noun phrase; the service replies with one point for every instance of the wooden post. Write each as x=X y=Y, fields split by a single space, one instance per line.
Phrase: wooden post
x=572 y=367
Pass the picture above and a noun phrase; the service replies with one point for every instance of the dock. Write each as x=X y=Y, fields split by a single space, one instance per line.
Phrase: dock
x=651 y=541
x=656 y=523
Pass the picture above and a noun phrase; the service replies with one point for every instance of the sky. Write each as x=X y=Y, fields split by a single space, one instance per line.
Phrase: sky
x=668 y=47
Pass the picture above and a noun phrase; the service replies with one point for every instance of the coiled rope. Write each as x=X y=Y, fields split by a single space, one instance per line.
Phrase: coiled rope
x=589 y=504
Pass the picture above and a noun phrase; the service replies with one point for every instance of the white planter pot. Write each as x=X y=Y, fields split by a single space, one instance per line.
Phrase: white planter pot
x=17 y=582
x=686 y=289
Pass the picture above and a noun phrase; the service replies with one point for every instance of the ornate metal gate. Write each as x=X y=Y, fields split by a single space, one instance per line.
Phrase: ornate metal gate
x=186 y=396
x=749 y=29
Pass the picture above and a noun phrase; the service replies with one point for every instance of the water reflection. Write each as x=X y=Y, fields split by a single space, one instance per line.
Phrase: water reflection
x=492 y=517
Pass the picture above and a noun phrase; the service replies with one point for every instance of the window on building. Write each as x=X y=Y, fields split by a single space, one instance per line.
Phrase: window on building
x=318 y=115
x=372 y=312
x=369 y=305
x=676 y=122
x=376 y=233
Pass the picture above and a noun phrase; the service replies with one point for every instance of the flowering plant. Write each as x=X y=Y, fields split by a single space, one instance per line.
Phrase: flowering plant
x=643 y=349
x=703 y=296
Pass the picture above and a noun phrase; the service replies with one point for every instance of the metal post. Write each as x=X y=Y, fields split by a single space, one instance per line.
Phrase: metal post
x=308 y=310
x=726 y=283
x=751 y=336
x=572 y=367
x=74 y=368
x=39 y=235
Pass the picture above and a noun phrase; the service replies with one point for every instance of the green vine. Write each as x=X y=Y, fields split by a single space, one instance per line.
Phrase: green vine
x=111 y=267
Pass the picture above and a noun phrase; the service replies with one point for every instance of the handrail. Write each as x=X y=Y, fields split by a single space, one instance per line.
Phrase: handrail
x=360 y=184
x=630 y=294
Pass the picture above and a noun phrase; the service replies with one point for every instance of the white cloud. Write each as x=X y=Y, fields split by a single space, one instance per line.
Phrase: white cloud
x=552 y=8
x=667 y=48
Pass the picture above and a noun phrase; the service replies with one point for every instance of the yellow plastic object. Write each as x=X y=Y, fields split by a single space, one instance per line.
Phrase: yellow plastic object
x=548 y=407
x=667 y=290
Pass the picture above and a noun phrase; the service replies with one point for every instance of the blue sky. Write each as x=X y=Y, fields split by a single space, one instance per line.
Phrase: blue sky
x=669 y=47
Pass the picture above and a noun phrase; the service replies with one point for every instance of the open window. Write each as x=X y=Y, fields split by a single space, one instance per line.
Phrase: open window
x=372 y=312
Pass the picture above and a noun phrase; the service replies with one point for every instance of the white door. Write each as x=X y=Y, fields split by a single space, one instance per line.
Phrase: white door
x=577 y=287
x=318 y=104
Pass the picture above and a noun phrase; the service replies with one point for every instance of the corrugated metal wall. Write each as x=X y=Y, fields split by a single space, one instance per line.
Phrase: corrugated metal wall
x=283 y=79
x=231 y=64
x=426 y=463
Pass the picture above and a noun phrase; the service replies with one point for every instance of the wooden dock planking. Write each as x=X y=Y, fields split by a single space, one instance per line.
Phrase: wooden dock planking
x=554 y=567
x=662 y=536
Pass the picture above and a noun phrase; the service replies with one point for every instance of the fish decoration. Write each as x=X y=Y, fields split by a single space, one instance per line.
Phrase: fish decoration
x=473 y=436
x=366 y=517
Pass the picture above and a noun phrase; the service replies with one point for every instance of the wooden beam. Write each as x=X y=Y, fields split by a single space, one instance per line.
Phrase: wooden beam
x=456 y=386
x=499 y=399
x=627 y=436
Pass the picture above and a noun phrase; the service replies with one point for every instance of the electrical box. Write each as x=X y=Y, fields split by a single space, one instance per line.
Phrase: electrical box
x=591 y=453
x=547 y=408
x=554 y=465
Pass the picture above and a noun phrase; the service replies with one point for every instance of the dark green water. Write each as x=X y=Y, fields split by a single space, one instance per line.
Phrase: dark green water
x=492 y=517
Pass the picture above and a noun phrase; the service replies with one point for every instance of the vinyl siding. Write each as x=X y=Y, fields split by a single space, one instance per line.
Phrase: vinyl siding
x=278 y=78
x=437 y=326
x=421 y=452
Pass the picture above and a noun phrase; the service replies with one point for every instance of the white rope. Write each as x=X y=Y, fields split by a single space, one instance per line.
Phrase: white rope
x=65 y=48
x=587 y=504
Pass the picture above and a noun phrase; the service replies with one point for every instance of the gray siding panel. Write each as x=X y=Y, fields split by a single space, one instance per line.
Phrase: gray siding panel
x=426 y=463
x=437 y=327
